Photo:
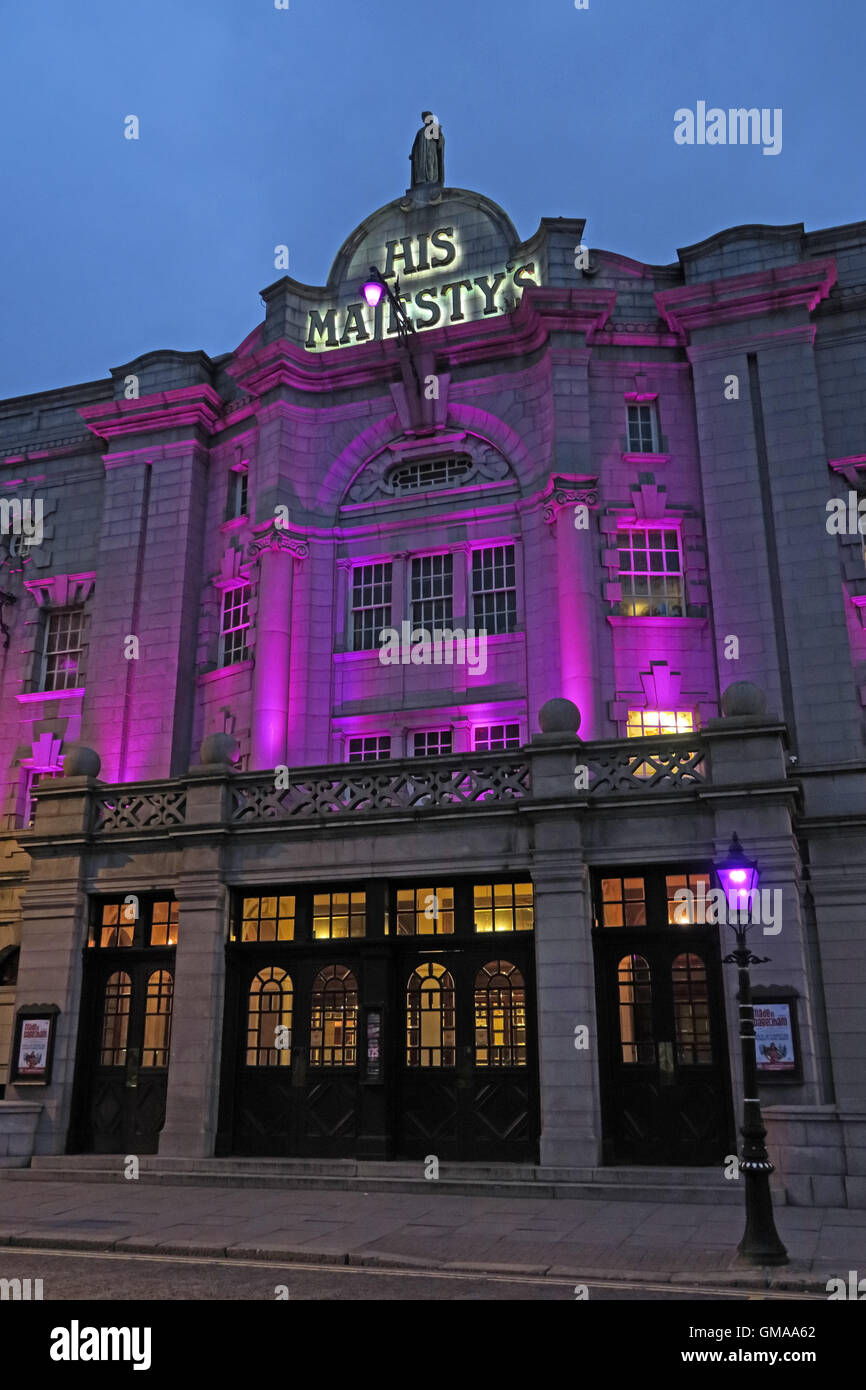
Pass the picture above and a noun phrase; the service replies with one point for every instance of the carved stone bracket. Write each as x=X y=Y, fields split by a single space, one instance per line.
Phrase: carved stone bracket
x=277 y=539
x=566 y=490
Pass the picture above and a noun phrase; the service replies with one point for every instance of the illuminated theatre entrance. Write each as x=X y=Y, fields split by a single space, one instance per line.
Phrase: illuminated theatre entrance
x=380 y=1021
x=665 y=1082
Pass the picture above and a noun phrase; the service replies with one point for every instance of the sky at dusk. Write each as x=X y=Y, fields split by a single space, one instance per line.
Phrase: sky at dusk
x=261 y=127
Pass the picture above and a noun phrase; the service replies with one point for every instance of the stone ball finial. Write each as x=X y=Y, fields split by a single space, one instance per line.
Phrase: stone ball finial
x=80 y=761
x=218 y=749
x=743 y=698
x=559 y=716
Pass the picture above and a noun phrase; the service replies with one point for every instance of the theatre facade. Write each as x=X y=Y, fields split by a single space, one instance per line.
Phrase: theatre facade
x=376 y=694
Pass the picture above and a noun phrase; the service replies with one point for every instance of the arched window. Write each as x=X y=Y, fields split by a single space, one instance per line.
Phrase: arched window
x=500 y=1016
x=430 y=472
x=157 y=1019
x=115 y=1019
x=691 y=1011
x=636 y=1010
x=270 y=1010
x=334 y=1018
x=430 y=1017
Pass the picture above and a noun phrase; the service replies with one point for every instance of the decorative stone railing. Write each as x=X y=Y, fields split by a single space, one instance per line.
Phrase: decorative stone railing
x=130 y=808
x=411 y=786
x=644 y=765
x=541 y=772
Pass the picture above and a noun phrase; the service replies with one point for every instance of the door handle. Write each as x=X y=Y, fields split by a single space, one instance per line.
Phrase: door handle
x=666 y=1063
x=133 y=1060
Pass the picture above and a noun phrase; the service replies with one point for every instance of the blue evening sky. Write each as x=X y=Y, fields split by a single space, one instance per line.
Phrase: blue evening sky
x=262 y=126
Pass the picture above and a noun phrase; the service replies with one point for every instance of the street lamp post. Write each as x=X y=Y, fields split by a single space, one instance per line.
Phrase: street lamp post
x=760 y=1244
x=372 y=290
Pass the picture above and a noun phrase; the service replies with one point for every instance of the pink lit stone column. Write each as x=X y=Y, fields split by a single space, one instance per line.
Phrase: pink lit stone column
x=277 y=553
x=578 y=600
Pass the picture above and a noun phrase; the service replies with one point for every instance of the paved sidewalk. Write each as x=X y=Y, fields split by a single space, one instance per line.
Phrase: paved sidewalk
x=635 y=1240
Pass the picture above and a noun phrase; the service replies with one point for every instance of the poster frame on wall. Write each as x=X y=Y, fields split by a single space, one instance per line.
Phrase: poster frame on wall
x=41 y=1047
x=787 y=1001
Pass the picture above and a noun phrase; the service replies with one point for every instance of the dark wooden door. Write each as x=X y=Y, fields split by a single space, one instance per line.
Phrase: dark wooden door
x=126 y=1052
x=664 y=1066
x=294 y=1041
x=466 y=1066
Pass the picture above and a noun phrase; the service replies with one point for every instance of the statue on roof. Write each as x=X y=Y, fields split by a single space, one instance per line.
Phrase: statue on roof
x=428 y=153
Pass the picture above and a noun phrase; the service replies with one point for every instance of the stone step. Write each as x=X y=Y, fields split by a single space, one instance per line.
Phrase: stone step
x=675 y=1185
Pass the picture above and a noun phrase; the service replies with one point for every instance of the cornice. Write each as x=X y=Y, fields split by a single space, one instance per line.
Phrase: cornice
x=192 y=407
x=542 y=310
x=691 y=307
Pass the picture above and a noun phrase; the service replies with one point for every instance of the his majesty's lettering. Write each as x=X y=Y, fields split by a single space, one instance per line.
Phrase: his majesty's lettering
x=450 y=299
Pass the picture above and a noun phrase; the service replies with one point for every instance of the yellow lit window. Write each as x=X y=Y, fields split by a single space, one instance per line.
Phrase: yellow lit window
x=647 y=723
x=267 y=919
x=339 y=915
x=503 y=907
x=163 y=927
x=425 y=911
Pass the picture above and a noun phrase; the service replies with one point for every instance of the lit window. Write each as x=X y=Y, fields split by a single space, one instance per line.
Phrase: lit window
x=500 y=1016
x=425 y=912
x=432 y=743
x=339 y=915
x=494 y=589
x=163 y=924
x=116 y=1003
x=117 y=924
x=157 y=1019
x=432 y=591
x=642 y=429
x=495 y=738
x=425 y=473
x=430 y=1020
x=238 y=498
x=267 y=919
x=681 y=911
x=636 y=1011
x=270 y=1008
x=647 y=723
x=334 y=1018
x=691 y=1011
x=369 y=748
x=371 y=604
x=62 y=650
x=650 y=572
x=623 y=902
x=235 y=623
x=503 y=907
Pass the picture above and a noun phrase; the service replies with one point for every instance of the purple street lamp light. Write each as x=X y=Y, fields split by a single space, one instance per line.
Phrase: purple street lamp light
x=760 y=1244
x=372 y=290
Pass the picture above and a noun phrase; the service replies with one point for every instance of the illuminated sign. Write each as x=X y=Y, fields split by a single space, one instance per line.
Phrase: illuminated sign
x=439 y=297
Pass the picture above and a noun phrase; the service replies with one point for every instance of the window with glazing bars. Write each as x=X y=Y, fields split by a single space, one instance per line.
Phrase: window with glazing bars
x=62 y=651
x=494 y=589
x=495 y=738
x=266 y=919
x=270 y=1009
x=430 y=1017
x=432 y=743
x=334 y=1018
x=157 y=1019
x=425 y=912
x=642 y=431
x=432 y=591
x=371 y=604
x=235 y=622
x=503 y=907
x=368 y=748
x=424 y=473
x=500 y=1016
x=338 y=915
x=650 y=573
